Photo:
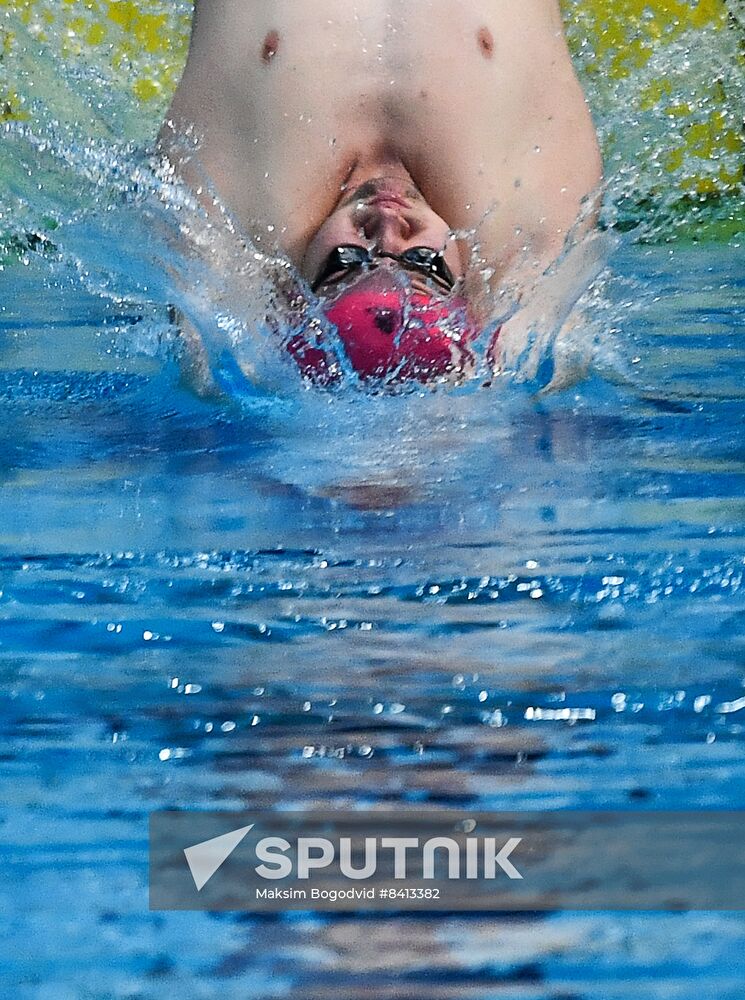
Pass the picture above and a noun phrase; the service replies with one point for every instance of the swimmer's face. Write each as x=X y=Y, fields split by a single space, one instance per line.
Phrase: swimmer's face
x=384 y=215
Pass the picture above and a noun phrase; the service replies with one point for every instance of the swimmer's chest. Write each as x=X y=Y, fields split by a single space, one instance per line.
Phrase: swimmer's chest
x=309 y=92
x=384 y=72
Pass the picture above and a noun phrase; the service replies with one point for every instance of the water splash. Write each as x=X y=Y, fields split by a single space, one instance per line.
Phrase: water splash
x=666 y=86
x=666 y=104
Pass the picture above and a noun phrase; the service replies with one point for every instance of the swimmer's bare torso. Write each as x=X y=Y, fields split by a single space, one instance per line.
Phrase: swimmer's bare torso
x=296 y=101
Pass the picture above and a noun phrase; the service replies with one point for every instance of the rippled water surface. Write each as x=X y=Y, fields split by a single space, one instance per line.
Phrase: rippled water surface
x=357 y=600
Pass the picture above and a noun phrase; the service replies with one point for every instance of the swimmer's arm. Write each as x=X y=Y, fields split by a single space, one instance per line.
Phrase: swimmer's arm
x=193 y=359
x=551 y=313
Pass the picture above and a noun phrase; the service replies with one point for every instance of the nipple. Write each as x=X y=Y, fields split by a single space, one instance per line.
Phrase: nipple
x=270 y=47
x=486 y=42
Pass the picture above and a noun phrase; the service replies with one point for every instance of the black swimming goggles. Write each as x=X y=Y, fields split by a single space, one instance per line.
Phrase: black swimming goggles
x=345 y=259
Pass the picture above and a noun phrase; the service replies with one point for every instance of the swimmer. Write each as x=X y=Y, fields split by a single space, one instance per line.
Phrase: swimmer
x=360 y=140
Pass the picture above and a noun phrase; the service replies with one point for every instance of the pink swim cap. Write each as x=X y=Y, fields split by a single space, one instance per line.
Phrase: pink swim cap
x=391 y=332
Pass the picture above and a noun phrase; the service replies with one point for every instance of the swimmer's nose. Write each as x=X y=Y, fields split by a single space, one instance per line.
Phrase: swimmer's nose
x=388 y=227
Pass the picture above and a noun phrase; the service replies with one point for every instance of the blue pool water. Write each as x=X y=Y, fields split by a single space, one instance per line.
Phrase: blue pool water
x=347 y=601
